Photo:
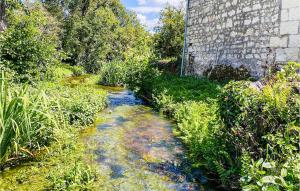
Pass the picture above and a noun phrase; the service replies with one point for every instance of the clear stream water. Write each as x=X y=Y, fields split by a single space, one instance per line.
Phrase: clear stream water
x=135 y=147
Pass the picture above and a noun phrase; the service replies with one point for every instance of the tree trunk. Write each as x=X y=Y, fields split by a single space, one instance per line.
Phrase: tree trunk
x=2 y=15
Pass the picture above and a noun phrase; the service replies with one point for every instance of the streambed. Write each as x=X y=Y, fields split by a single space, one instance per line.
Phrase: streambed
x=135 y=147
x=132 y=146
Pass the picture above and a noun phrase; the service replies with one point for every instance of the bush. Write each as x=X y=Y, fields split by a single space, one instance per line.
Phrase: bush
x=28 y=45
x=114 y=73
x=186 y=101
x=262 y=127
x=196 y=122
x=58 y=72
x=77 y=70
x=79 y=104
x=130 y=72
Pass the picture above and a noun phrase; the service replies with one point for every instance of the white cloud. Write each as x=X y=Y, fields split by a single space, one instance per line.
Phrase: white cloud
x=146 y=9
x=160 y=2
x=142 y=2
x=142 y=18
x=148 y=23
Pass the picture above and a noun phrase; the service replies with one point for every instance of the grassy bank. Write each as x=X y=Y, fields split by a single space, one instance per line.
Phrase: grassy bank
x=41 y=146
x=244 y=134
x=193 y=104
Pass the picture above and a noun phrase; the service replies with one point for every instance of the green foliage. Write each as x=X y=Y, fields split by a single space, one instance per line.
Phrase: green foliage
x=53 y=169
x=26 y=123
x=270 y=174
x=79 y=104
x=261 y=126
x=170 y=35
x=197 y=124
x=80 y=177
x=249 y=113
x=246 y=130
x=290 y=73
x=181 y=89
x=114 y=73
x=49 y=168
x=168 y=65
x=58 y=72
x=29 y=43
x=101 y=31
x=77 y=70
x=192 y=103
x=130 y=72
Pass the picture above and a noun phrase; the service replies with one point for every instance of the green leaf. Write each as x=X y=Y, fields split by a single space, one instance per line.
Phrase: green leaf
x=267 y=165
x=283 y=172
x=268 y=179
x=261 y=172
x=259 y=162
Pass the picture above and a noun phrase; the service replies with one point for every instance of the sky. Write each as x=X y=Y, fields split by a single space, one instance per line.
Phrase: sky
x=148 y=10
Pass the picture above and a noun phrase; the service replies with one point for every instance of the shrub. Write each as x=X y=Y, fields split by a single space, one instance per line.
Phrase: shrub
x=247 y=130
x=130 y=72
x=271 y=173
x=28 y=45
x=77 y=70
x=58 y=72
x=79 y=104
x=195 y=120
x=261 y=126
x=113 y=73
x=199 y=126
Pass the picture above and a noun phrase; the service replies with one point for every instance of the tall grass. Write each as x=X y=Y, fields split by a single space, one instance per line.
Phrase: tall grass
x=25 y=123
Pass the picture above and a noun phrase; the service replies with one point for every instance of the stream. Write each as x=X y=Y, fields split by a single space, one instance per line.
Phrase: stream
x=136 y=148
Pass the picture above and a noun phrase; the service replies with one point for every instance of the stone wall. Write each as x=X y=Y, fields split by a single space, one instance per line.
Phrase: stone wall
x=254 y=35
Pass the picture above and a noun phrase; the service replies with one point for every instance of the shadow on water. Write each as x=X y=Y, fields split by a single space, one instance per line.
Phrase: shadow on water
x=136 y=149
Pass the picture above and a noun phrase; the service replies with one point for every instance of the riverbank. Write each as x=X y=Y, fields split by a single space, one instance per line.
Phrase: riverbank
x=193 y=104
x=237 y=132
x=241 y=135
x=63 y=162
x=129 y=147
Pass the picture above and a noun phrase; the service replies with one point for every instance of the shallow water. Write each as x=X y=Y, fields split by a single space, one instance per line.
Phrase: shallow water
x=136 y=149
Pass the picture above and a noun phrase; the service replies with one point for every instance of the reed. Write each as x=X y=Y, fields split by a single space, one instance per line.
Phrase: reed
x=25 y=123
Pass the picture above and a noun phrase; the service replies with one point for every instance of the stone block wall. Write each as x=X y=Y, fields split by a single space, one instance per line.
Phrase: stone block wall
x=250 y=34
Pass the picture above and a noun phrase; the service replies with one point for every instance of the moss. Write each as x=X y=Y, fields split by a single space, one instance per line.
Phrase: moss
x=226 y=73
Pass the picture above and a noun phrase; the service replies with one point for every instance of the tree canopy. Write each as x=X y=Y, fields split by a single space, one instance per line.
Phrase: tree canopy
x=169 y=35
x=88 y=33
x=97 y=31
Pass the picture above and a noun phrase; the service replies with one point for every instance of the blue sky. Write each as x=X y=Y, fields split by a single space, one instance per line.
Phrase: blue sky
x=148 y=10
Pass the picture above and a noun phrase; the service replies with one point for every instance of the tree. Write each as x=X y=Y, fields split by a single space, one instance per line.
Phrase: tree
x=169 y=35
x=30 y=42
x=100 y=31
x=4 y=5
